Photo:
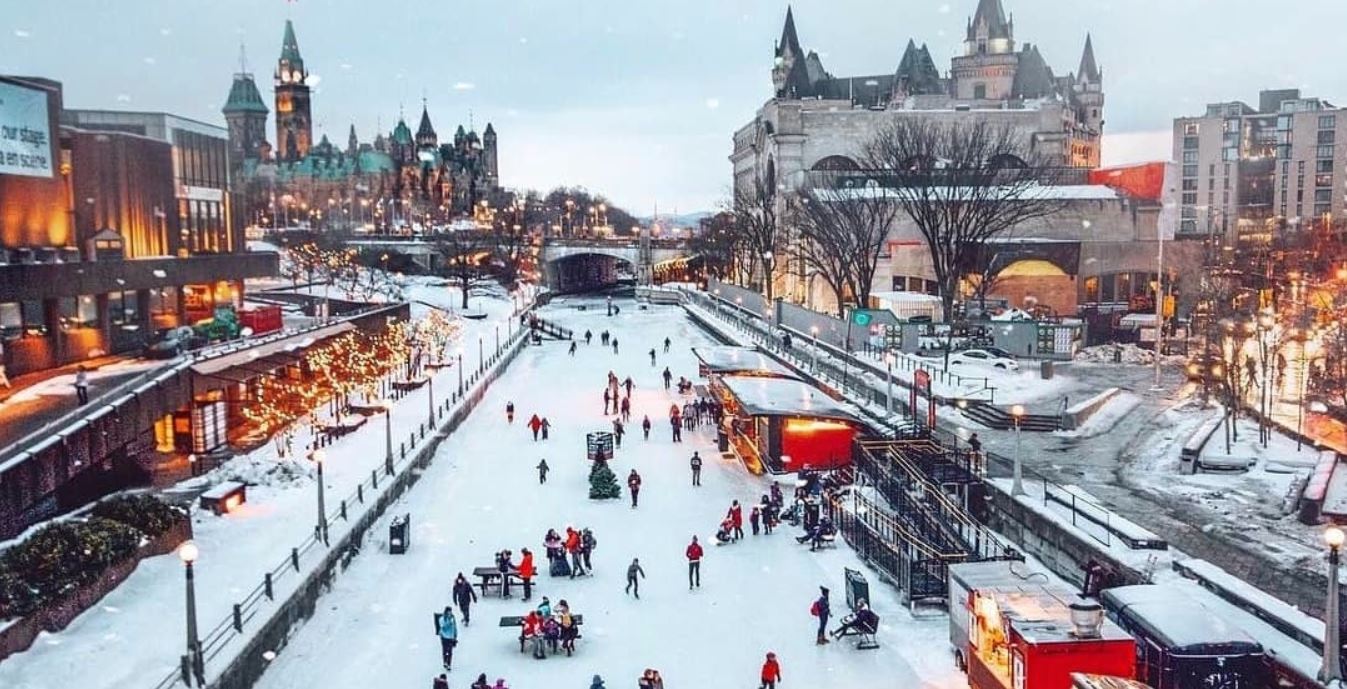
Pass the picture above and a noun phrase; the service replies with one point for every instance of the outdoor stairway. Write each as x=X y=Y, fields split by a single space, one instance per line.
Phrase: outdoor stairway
x=995 y=417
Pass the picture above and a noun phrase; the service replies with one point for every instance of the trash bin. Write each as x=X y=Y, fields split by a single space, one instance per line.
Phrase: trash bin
x=858 y=589
x=1045 y=369
x=722 y=441
x=399 y=533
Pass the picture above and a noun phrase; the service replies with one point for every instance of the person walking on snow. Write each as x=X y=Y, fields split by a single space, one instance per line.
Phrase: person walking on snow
x=668 y=378
x=573 y=547
x=603 y=337
x=634 y=485
x=677 y=425
x=615 y=345
x=509 y=412
x=597 y=683
x=771 y=672
x=696 y=469
x=588 y=336
x=645 y=426
x=607 y=397
x=526 y=572
x=628 y=384
x=626 y=409
x=464 y=597
x=618 y=430
x=694 y=554
x=546 y=426
x=448 y=631
x=535 y=425
x=652 y=356
x=666 y=345
x=736 y=516
x=821 y=609
x=542 y=471
x=587 y=545
x=82 y=385
x=572 y=350
x=481 y=682
x=633 y=570
x=754 y=516
x=441 y=682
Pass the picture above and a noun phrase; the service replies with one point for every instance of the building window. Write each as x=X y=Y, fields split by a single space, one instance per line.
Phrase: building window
x=164 y=301
x=1284 y=122
x=1190 y=143
x=1189 y=170
x=1187 y=227
x=1323 y=180
x=122 y=308
x=1327 y=121
x=11 y=321
x=1190 y=199
x=1230 y=154
x=1323 y=152
x=34 y=318
x=79 y=312
x=1189 y=156
x=1323 y=195
x=1283 y=152
x=1326 y=136
x=1322 y=166
x=1322 y=209
x=1190 y=185
x=1092 y=289
x=1190 y=129
x=979 y=91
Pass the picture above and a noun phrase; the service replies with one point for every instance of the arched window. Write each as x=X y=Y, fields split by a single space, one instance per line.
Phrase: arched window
x=836 y=163
x=770 y=179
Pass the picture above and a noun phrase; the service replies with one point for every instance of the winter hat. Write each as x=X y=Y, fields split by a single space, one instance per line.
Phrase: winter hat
x=770 y=655
x=824 y=589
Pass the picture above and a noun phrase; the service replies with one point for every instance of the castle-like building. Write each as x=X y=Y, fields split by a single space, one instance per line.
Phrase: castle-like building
x=401 y=177
x=817 y=121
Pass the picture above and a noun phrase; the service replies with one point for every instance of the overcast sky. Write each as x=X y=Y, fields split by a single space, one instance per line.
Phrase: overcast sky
x=638 y=98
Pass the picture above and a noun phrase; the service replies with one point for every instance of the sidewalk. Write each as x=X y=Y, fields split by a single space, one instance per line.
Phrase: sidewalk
x=42 y=397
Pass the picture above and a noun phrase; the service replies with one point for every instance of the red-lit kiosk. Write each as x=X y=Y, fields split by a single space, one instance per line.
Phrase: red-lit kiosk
x=783 y=426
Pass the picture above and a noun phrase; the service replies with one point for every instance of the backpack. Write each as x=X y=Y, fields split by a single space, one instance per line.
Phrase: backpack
x=814 y=609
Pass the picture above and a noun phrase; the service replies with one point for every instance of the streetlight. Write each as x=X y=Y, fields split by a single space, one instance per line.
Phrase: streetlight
x=1017 y=487
x=460 y=373
x=430 y=404
x=888 y=384
x=188 y=553
x=481 y=356
x=1305 y=358
x=1330 y=674
x=813 y=354
x=387 y=406
x=317 y=457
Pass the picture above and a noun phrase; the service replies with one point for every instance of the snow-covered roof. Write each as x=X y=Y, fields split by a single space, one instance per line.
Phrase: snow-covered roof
x=297 y=341
x=1185 y=624
x=733 y=360
x=784 y=397
x=907 y=297
x=1067 y=192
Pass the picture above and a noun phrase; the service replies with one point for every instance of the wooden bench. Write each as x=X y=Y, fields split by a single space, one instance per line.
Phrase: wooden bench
x=518 y=621
x=489 y=578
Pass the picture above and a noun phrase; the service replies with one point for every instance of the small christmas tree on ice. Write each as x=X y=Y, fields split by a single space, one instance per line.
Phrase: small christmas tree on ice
x=603 y=482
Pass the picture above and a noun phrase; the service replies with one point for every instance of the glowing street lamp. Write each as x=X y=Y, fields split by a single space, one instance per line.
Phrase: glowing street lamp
x=317 y=457
x=1017 y=487
x=387 y=406
x=1330 y=673
x=194 y=661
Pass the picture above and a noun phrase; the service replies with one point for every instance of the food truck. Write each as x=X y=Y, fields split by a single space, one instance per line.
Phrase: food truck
x=1015 y=628
x=785 y=426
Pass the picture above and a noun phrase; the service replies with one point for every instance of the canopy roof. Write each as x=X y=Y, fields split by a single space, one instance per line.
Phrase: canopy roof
x=784 y=397
x=732 y=360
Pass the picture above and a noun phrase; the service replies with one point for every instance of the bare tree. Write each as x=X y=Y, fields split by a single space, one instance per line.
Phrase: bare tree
x=963 y=185
x=841 y=236
x=758 y=229
x=717 y=243
x=464 y=253
x=511 y=237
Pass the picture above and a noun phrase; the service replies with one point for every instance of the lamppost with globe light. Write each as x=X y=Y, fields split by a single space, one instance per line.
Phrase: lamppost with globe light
x=1017 y=486
x=1330 y=674
x=888 y=383
x=387 y=406
x=188 y=553
x=317 y=457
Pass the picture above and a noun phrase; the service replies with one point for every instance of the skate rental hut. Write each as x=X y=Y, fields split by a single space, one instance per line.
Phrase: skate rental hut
x=784 y=426
x=738 y=361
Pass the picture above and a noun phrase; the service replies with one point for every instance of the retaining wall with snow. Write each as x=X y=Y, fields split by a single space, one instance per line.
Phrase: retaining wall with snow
x=1079 y=413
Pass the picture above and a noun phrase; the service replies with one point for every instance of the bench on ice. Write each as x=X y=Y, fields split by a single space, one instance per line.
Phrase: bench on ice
x=510 y=621
x=864 y=632
x=489 y=578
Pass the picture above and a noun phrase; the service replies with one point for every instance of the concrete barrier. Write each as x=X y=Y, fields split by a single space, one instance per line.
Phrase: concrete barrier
x=1080 y=412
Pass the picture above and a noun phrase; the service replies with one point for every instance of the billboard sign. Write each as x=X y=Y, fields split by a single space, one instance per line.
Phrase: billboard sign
x=25 y=132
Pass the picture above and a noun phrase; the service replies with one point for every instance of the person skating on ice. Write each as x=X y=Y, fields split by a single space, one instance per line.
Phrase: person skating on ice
x=696 y=469
x=535 y=425
x=464 y=596
x=652 y=357
x=509 y=412
x=771 y=672
x=694 y=554
x=633 y=571
x=822 y=610
x=448 y=633
x=645 y=426
x=542 y=471
x=634 y=486
x=666 y=345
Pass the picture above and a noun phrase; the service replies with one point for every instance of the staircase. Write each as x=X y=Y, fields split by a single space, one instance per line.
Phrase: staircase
x=993 y=416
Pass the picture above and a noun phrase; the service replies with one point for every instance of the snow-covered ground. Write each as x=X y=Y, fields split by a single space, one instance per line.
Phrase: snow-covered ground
x=482 y=495
x=134 y=635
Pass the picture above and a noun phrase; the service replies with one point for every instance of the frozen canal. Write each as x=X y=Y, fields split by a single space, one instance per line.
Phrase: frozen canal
x=482 y=495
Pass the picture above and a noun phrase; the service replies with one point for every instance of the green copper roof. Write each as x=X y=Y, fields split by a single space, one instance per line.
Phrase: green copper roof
x=290 y=46
x=244 y=96
x=402 y=133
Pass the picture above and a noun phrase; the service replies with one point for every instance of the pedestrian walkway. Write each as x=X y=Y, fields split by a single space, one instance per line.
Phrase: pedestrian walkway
x=43 y=397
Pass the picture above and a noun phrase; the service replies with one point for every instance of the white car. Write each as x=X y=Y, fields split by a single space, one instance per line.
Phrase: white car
x=984 y=358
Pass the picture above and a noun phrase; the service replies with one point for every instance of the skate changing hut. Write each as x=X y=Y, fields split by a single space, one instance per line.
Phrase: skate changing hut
x=738 y=361
x=784 y=426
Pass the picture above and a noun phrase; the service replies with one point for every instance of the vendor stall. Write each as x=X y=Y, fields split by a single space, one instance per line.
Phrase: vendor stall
x=784 y=426
x=738 y=361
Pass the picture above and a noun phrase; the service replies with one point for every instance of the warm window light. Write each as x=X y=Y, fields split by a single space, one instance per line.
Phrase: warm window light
x=1334 y=537
x=188 y=552
x=813 y=425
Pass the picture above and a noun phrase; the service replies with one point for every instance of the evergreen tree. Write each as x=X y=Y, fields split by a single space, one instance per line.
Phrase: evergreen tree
x=603 y=482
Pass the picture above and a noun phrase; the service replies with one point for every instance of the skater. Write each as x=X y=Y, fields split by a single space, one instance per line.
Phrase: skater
x=618 y=430
x=607 y=397
x=677 y=425
x=82 y=385
x=596 y=683
x=645 y=426
x=771 y=672
x=615 y=345
x=526 y=572
x=628 y=384
x=448 y=631
x=509 y=412
x=626 y=410
x=694 y=555
x=633 y=570
x=634 y=485
x=666 y=345
x=504 y=566
x=754 y=516
x=736 y=517
x=542 y=471
x=535 y=425
x=652 y=356
x=725 y=533
x=546 y=426
x=480 y=683
x=821 y=610
x=464 y=597
x=587 y=545
x=588 y=336
x=573 y=547
x=696 y=469
x=572 y=349
x=500 y=684
x=667 y=377
x=603 y=337
x=441 y=682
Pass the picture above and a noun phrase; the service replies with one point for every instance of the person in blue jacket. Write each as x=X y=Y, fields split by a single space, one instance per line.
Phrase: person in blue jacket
x=597 y=683
x=448 y=631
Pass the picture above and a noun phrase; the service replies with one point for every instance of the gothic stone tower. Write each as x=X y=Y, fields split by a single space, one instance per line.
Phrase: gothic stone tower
x=294 y=123
x=246 y=116
x=986 y=70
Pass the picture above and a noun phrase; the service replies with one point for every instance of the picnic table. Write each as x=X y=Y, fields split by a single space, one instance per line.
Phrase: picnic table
x=489 y=578
x=518 y=621
x=337 y=430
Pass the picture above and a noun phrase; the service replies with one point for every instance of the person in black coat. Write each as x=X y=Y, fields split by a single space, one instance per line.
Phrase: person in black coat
x=464 y=596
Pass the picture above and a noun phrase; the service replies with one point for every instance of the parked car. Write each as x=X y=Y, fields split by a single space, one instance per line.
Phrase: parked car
x=169 y=343
x=998 y=352
x=984 y=358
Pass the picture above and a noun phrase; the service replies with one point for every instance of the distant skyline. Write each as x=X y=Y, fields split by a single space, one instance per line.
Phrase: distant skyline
x=638 y=101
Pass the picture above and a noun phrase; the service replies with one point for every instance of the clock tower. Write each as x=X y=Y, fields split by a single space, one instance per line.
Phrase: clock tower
x=294 y=122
